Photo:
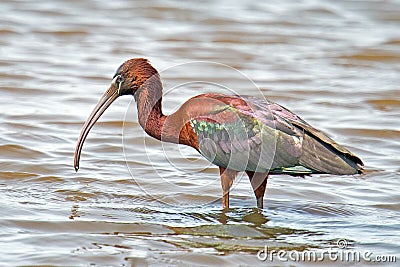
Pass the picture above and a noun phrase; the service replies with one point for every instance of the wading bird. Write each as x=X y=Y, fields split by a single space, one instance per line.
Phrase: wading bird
x=236 y=133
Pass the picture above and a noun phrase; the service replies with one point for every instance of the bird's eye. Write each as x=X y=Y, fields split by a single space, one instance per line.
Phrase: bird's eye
x=118 y=80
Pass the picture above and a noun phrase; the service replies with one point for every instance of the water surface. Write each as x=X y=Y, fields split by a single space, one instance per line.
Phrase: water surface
x=137 y=202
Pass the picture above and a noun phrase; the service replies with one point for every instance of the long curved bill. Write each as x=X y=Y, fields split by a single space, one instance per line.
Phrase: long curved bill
x=105 y=101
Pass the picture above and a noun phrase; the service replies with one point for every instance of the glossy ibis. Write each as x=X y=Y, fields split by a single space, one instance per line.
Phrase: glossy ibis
x=236 y=133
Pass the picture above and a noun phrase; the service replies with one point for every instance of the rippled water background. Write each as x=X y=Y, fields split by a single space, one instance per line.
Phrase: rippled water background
x=336 y=63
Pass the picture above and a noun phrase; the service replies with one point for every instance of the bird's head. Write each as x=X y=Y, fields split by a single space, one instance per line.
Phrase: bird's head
x=132 y=76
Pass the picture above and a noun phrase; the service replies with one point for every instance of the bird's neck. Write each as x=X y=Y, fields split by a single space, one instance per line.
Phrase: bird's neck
x=150 y=115
x=171 y=128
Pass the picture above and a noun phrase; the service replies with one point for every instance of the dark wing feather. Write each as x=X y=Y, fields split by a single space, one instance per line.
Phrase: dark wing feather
x=319 y=152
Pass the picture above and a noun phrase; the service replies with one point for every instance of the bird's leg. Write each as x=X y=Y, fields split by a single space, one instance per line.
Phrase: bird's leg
x=227 y=177
x=258 y=181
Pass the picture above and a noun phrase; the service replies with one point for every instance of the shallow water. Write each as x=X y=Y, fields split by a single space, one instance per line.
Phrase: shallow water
x=136 y=201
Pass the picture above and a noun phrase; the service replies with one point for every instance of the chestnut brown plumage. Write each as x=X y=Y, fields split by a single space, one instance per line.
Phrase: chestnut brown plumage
x=237 y=133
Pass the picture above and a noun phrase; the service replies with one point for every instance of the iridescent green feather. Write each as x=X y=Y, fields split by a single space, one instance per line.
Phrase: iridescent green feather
x=227 y=142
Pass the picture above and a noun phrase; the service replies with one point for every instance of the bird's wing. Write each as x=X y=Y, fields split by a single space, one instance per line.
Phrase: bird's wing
x=242 y=134
x=248 y=133
x=318 y=149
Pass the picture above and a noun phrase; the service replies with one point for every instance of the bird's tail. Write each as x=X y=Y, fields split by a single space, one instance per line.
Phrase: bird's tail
x=326 y=156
